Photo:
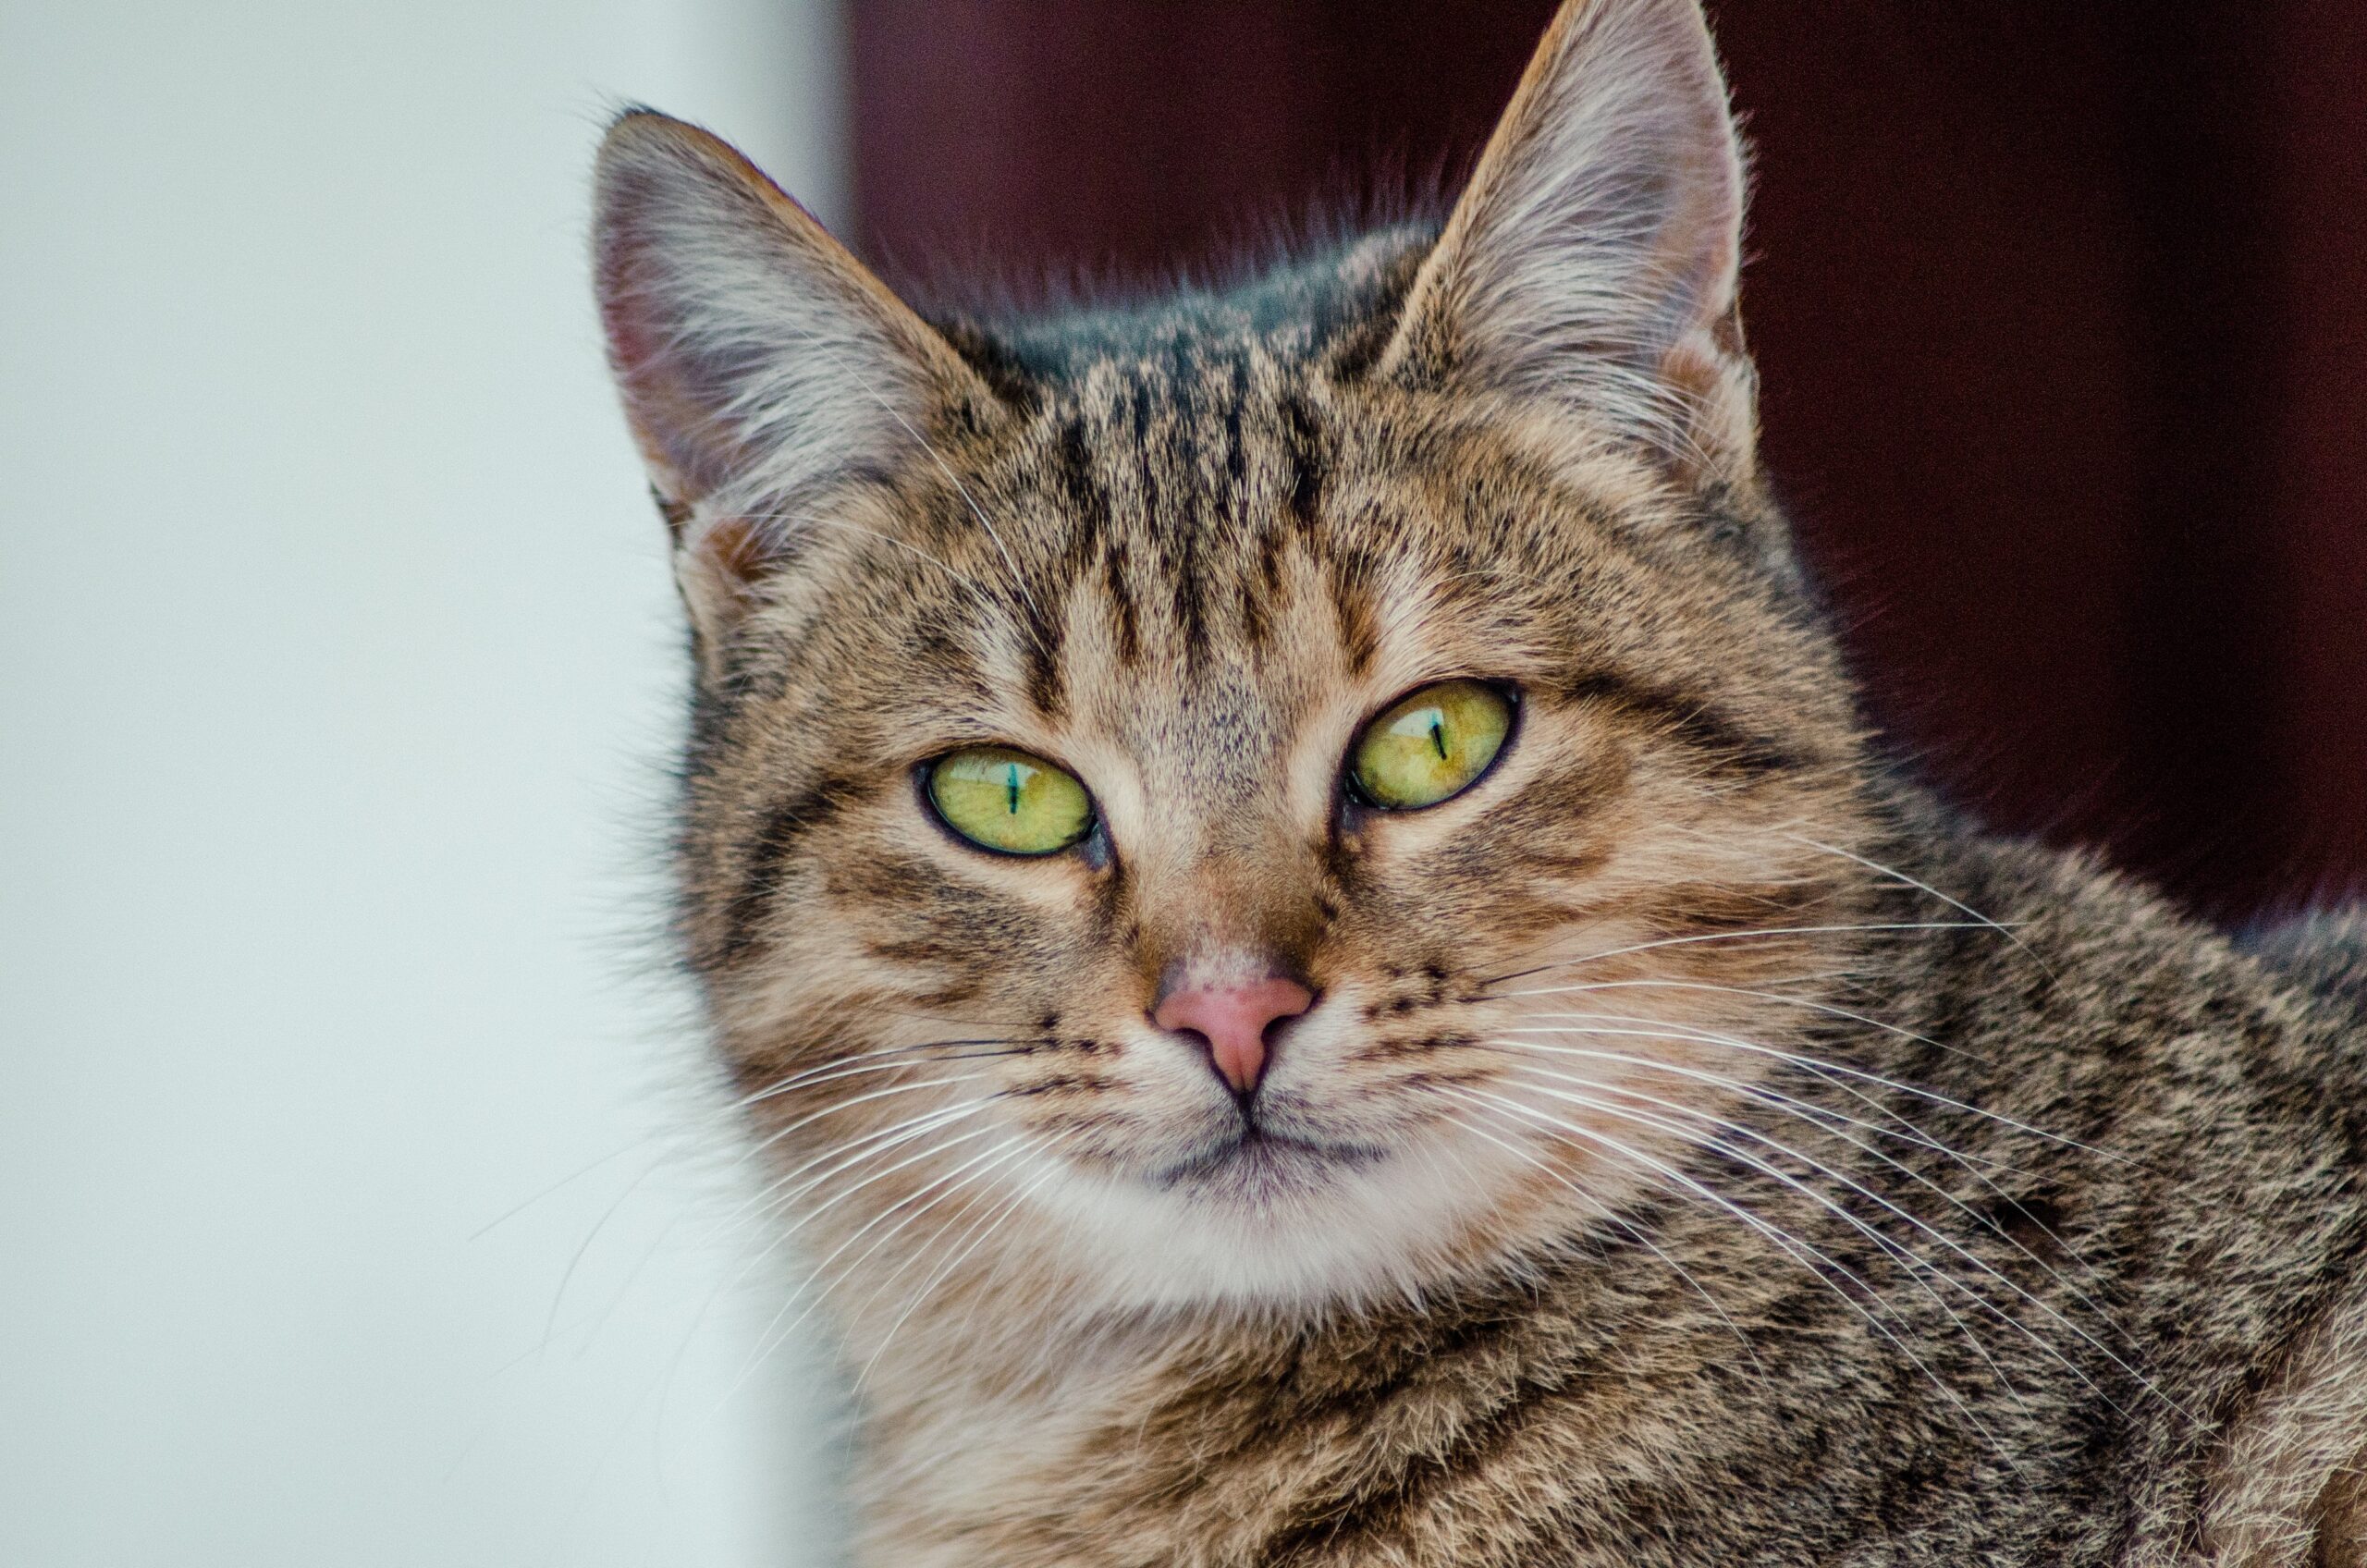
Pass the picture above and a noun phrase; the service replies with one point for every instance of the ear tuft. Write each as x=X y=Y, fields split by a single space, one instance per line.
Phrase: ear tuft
x=761 y=364
x=1593 y=258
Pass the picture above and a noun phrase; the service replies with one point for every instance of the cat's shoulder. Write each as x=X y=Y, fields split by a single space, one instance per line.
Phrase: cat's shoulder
x=2286 y=1486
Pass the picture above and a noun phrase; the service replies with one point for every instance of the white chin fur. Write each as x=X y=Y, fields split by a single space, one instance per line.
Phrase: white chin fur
x=1303 y=1233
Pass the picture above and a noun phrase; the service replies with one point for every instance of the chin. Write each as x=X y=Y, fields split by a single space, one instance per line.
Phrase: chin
x=1268 y=1224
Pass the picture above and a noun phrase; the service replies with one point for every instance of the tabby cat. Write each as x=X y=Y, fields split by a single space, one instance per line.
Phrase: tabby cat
x=1327 y=971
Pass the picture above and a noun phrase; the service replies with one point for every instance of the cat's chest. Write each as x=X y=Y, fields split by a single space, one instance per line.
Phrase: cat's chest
x=1141 y=1464
x=1117 y=1460
x=1075 y=1469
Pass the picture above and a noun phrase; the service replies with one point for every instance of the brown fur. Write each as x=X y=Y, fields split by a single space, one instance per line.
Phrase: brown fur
x=1831 y=1222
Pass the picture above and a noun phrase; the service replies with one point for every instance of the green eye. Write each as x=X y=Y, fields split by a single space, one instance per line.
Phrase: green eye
x=1431 y=747
x=1009 y=802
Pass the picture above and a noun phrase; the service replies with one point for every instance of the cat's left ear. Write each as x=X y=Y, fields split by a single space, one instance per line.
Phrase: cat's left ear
x=1592 y=259
x=762 y=366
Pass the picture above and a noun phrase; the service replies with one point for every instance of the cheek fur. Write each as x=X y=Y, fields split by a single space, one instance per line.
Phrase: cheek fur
x=1196 y=693
x=1489 y=1057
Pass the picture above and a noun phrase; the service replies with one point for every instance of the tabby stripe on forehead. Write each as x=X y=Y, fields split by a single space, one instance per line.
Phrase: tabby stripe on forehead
x=1236 y=454
x=1089 y=504
x=1047 y=684
x=1691 y=719
x=1308 y=462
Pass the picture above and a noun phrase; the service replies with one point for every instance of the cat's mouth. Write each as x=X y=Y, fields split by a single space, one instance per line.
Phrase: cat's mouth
x=1258 y=1153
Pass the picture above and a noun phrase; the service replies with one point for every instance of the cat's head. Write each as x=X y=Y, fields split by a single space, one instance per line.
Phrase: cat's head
x=1266 y=798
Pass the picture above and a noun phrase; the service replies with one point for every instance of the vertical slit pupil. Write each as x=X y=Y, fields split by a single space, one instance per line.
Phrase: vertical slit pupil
x=1438 y=735
x=1014 y=786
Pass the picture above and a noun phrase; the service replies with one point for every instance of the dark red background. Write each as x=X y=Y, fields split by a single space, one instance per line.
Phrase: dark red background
x=2061 y=310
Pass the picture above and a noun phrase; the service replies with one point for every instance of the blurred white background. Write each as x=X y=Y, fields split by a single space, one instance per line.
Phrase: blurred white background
x=361 y=1197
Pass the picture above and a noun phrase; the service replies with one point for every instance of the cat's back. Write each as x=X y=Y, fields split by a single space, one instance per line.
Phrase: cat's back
x=2325 y=951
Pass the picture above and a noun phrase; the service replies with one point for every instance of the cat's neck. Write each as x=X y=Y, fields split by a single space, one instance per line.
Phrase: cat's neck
x=1001 y=1449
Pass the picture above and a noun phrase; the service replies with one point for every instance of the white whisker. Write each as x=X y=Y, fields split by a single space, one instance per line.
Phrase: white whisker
x=779 y=1191
x=1822 y=1169
x=1802 y=1112
x=993 y=1221
x=952 y=1182
x=1915 y=1264
x=1898 y=876
x=804 y=521
x=1809 y=1003
x=1634 y=1232
x=1802 y=1059
x=836 y=1108
x=1737 y=937
x=878 y=1060
x=1784 y=1240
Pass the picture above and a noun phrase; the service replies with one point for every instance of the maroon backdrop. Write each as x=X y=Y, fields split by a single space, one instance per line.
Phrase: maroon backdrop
x=2061 y=309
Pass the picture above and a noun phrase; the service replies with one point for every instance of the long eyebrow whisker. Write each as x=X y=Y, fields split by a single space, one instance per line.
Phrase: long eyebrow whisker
x=1011 y=563
x=806 y=521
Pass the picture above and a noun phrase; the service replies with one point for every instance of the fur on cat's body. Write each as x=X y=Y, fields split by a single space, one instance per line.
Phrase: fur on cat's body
x=1728 y=1157
x=1574 y=1413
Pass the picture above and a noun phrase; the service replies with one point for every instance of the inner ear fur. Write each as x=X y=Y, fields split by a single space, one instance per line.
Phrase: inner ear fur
x=761 y=365
x=1593 y=259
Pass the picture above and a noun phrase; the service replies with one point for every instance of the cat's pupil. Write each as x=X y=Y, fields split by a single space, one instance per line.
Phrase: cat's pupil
x=1014 y=786
x=1438 y=734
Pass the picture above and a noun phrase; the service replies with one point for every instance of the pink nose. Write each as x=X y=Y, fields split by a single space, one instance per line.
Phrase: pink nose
x=1232 y=1022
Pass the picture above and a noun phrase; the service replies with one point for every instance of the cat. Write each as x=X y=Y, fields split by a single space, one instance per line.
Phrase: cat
x=1327 y=969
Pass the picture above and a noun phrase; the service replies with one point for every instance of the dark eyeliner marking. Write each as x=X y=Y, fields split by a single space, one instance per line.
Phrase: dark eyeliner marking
x=785 y=828
x=1693 y=721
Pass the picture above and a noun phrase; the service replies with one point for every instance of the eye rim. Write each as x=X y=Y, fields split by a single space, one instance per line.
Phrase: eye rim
x=923 y=775
x=1353 y=793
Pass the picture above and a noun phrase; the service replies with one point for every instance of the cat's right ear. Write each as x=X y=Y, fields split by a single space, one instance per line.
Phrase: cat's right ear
x=1591 y=261
x=761 y=364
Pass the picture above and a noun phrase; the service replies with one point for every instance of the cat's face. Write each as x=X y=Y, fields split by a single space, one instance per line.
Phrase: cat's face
x=1254 y=1019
